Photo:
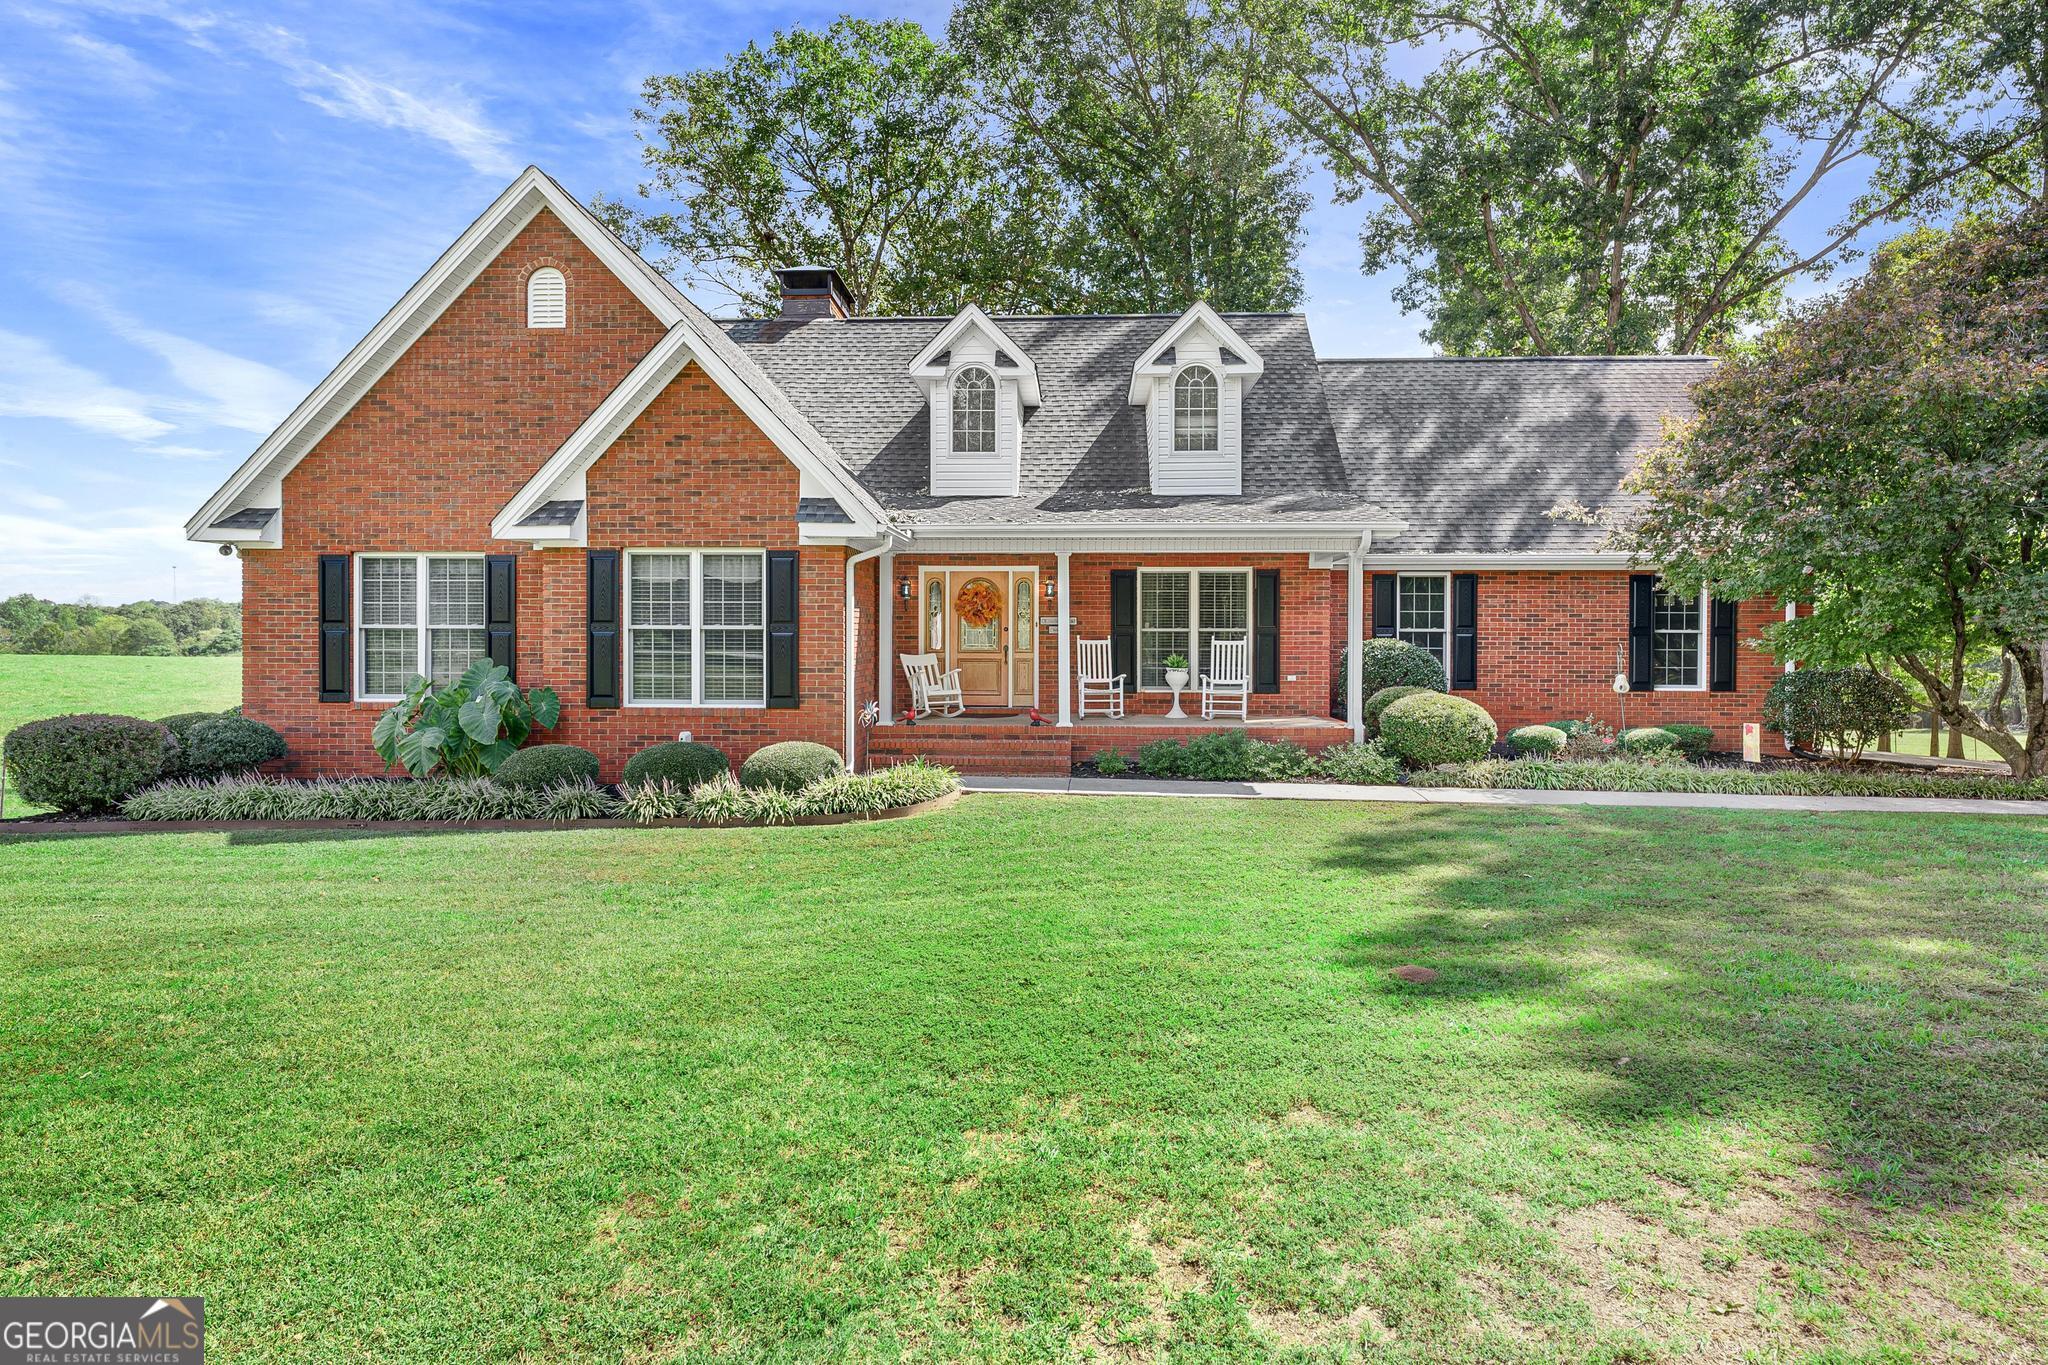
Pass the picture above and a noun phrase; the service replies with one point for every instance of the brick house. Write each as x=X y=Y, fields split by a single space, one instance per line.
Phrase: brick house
x=737 y=529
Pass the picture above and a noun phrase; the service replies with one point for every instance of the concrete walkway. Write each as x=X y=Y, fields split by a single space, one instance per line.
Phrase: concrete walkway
x=1459 y=796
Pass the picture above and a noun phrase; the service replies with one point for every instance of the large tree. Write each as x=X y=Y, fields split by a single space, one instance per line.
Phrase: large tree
x=858 y=147
x=1883 y=455
x=1149 y=116
x=1612 y=176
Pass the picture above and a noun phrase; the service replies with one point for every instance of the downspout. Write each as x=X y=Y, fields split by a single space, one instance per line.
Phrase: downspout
x=890 y=539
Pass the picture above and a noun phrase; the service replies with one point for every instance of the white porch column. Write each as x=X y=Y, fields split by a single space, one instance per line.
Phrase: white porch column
x=1354 y=623
x=1066 y=707
x=885 y=644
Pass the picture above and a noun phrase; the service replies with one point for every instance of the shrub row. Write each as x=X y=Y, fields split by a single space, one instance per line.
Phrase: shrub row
x=88 y=763
x=466 y=800
x=1672 y=776
x=684 y=764
x=1234 y=756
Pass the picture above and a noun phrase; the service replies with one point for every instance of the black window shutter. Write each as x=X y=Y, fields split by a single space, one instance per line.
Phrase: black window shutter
x=1383 y=620
x=1464 y=631
x=1123 y=624
x=1266 y=631
x=334 y=628
x=782 y=655
x=1642 y=631
x=602 y=664
x=501 y=610
x=1721 y=647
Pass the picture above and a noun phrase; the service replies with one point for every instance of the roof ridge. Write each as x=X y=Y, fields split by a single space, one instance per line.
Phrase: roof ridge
x=1013 y=317
x=1500 y=359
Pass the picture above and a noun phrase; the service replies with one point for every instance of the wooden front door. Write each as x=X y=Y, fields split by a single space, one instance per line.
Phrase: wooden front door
x=983 y=622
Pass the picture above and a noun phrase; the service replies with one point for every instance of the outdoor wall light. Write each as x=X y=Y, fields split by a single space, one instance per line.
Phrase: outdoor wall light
x=903 y=589
x=1052 y=589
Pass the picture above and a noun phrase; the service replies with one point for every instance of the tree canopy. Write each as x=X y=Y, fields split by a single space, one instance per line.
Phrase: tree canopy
x=1564 y=177
x=1883 y=455
x=1055 y=155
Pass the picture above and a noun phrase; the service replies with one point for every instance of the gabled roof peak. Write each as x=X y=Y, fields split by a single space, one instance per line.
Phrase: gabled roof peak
x=1233 y=354
x=937 y=356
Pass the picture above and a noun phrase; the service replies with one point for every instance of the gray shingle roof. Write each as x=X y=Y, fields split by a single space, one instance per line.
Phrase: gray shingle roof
x=248 y=519
x=1474 y=453
x=560 y=512
x=821 y=512
x=1084 y=452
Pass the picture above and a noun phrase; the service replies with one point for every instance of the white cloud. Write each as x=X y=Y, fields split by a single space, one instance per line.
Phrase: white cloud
x=37 y=382
x=129 y=555
x=36 y=502
x=444 y=115
x=237 y=392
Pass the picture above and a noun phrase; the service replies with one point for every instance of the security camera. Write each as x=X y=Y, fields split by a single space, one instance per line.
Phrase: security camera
x=227 y=551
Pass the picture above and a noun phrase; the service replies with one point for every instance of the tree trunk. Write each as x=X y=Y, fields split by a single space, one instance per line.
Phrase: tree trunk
x=1933 y=733
x=1955 y=744
x=2028 y=757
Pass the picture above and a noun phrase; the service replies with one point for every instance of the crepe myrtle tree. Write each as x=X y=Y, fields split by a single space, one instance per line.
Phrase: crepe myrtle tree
x=1883 y=456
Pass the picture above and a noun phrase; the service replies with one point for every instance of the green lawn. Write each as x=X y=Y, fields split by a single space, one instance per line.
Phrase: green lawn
x=33 y=686
x=1038 y=1079
x=1915 y=742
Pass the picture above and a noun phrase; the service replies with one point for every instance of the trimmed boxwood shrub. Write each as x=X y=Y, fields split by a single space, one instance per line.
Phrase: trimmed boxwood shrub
x=1428 y=728
x=789 y=766
x=1537 y=740
x=683 y=762
x=541 y=766
x=1376 y=704
x=1647 y=739
x=87 y=763
x=181 y=725
x=1693 y=740
x=1384 y=663
x=227 y=744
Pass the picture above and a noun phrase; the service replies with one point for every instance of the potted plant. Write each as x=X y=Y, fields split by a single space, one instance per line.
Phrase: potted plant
x=1177 y=679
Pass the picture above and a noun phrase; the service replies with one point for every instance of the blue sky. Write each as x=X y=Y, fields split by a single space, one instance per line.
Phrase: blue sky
x=203 y=207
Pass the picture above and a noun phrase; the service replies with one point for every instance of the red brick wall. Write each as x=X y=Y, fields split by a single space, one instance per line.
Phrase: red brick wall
x=1305 y=648
x=1547 y=643
x=447 y=437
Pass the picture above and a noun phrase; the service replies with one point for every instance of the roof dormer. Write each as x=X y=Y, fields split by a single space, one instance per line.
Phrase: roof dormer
x=978 y=382
x=1192 y=381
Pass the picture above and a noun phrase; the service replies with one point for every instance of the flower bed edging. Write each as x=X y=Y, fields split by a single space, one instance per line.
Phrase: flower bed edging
x=38 y=828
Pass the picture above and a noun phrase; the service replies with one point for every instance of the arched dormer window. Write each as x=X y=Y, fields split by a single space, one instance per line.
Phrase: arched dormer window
x=547 y=299
x=1194 y=409
x=974 y=412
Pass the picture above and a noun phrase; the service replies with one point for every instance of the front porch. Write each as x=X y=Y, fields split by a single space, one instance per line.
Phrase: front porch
x=1009 y=745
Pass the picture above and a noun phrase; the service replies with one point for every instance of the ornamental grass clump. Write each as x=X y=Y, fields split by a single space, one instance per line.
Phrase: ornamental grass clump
x=1431 y=728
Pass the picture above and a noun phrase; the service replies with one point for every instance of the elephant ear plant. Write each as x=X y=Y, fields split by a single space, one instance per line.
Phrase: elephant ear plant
x=465 y=729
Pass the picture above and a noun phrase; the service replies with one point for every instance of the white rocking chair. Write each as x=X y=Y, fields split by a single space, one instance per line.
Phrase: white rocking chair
x=1099 y=686
x=1227 y=686
x=929 y=688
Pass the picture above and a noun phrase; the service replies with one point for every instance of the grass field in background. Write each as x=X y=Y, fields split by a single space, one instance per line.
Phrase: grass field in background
x=33 y=686
x=1045 y=1079
x=1915 y=742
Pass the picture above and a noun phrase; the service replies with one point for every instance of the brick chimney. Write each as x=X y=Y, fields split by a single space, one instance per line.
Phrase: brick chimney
x=813 y=291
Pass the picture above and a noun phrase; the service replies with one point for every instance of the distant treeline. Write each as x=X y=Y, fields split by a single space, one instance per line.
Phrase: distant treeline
x=202 y=625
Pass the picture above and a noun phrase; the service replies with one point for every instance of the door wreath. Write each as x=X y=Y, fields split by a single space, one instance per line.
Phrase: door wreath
x=979 y=604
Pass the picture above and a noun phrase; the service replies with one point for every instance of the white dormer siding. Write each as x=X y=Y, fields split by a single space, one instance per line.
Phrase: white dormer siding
x=972 y=341
x=1198 y=341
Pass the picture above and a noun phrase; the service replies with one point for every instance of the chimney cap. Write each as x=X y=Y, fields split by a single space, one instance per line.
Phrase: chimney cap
x=817 y=291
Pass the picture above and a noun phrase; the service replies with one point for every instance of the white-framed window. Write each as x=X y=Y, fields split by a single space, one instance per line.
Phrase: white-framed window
x=417 y=614
x=1422 y=613
x=1678 y=646
x=696 y=628
x=1195 y=405
x=547 y=298
x=1184 y=611
x=974 y=412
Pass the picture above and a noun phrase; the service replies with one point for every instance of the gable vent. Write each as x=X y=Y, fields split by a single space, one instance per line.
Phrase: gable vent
x=547 y=299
